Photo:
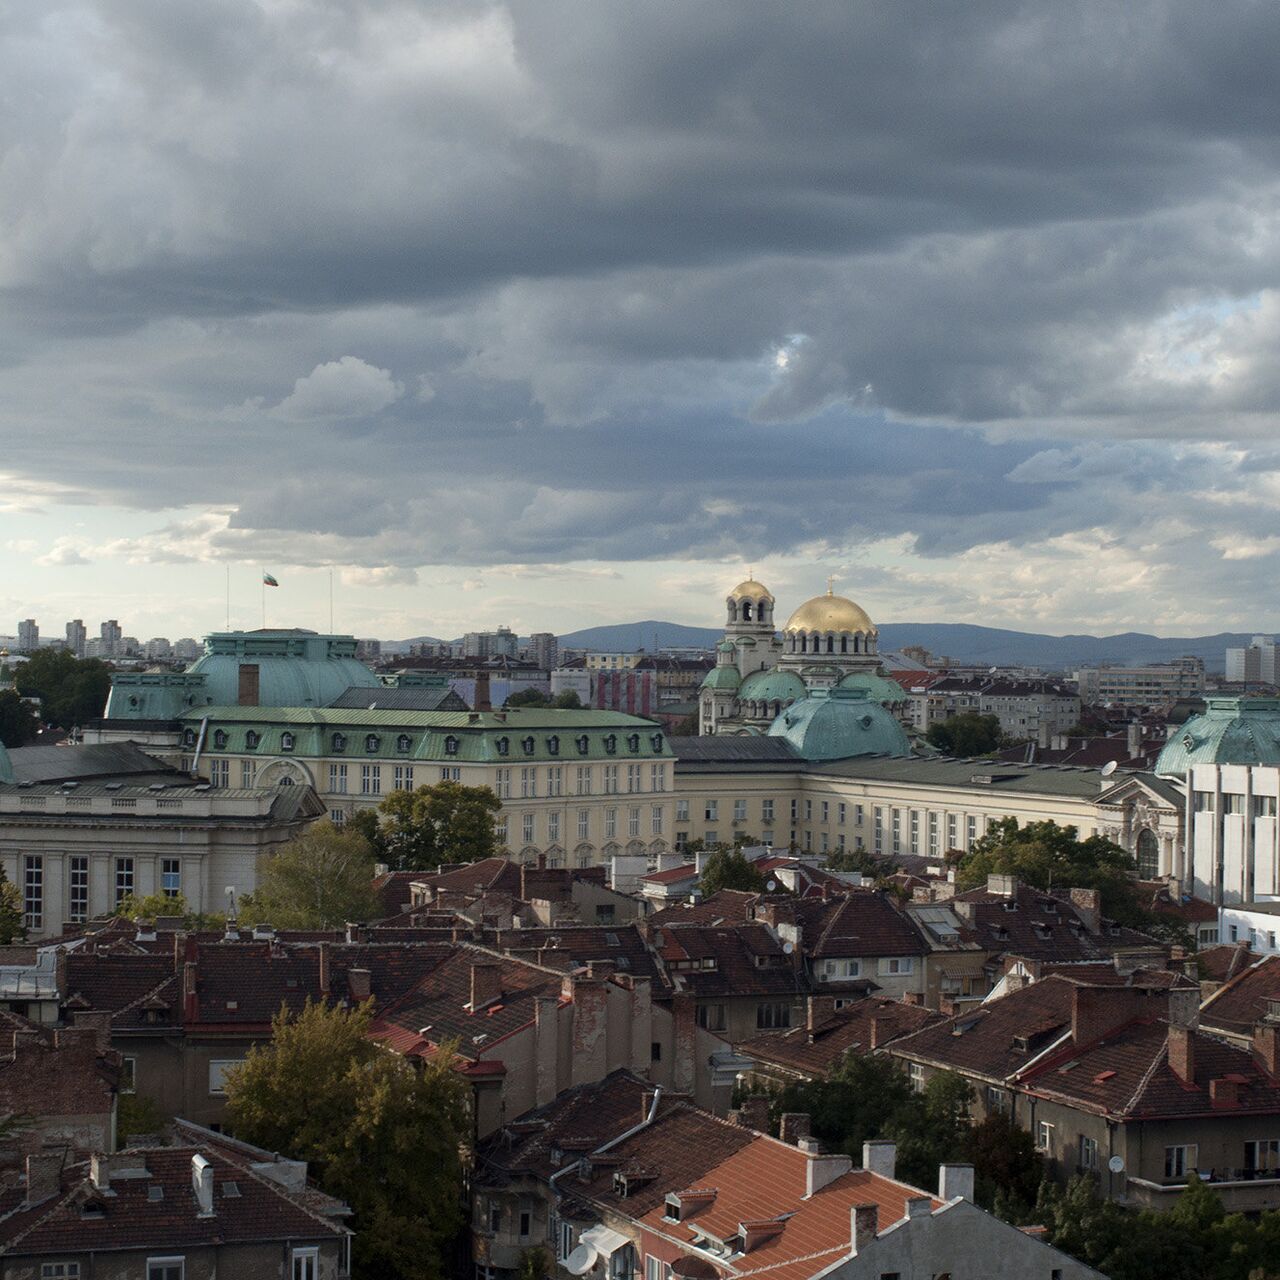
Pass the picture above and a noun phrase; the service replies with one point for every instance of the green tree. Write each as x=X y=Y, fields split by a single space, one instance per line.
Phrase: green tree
x=446 y=822
x=686 y=726
x=151 y=905
x=967 y=734
x=528 y=698
x=1045 y=855
x=729 y=869
x=13 y=925
x=535 y=1264
x=71 y=690
x=320 y=880
x=378 y=1133
x=18 y=721
x=137 y=1115
x=1007 y=1167
x=567 y=700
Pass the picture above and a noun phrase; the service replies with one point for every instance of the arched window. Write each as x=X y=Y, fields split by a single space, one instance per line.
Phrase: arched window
x=553 y=745
x=746 y=611
x=286 y=742
x=251 y=741
x=583 y=745
x=1148 y=854
x=804 y=644
x=451 y=746
x=844 y=644
x=372 y=743
x=219 y=738
x=633 y=742
x=610 y=743
x=403 y=743
x=504 y=746
x=831 y=643
x=526 y=745
x=338 y=742
x=656 y=742
x=188 y=737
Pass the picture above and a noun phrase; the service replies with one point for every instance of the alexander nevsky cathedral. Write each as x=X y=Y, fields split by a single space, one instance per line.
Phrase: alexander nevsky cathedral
x=827 y=643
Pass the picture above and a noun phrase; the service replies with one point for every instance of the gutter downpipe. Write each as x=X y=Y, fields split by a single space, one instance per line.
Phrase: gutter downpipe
x=204 y=729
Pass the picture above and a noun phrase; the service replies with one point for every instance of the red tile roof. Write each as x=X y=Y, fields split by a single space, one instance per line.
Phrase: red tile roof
x=746 y=960
x=725 y=906
x=1252 y=995
x=858 y=923
x=673 y=875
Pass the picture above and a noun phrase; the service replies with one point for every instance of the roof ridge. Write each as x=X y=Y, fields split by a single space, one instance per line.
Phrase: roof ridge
x=57 y=1201
x=1161 y=1056
x=146 y=995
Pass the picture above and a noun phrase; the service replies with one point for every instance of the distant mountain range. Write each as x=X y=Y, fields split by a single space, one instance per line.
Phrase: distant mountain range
x=966 y=643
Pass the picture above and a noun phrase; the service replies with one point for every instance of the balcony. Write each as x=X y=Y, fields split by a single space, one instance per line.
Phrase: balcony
x=1241 y=1191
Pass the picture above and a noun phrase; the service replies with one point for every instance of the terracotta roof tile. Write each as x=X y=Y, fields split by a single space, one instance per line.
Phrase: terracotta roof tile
x=1247 y=999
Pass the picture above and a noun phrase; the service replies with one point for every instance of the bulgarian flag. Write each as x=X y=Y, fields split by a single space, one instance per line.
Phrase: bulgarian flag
x=268 y=580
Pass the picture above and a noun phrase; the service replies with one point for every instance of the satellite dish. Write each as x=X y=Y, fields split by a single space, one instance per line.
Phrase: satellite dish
x=1116 y=1164
x=581 y=1260
x=1109 y=768
x=771 y=885
x=788 y=948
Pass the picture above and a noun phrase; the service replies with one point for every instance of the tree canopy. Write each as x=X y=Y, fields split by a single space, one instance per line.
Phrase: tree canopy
x=729 y=869
x=319 y=880
x=71 y=690
x=1047 y=856
x=378 y=1133
x=446 y=822
x=18 y=720
x=13 y=925
x=968 y=734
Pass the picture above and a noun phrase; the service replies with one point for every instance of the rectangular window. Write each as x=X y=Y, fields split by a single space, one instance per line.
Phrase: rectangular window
x=712 y=811
x=711 y=1017
x=555 y=780
x=826 y=811
x=528 y=783
x=766 y=811
x=33 y=890
x=1232 y=804
x=877 y=830
x=652 y=1267
x=220 y=773
x=584 y=779
x=1088 y=1153
x=915 y=1073
x=825 y=845
x=633 y=823
x=610 y=823
x=584 y=823
x=305 y=1264
x=655 y=826
x=526 y=827
x=841 y=812
x=682 y=811
x=553 y=827
x=338 y=779
x=998 y=1101
x=59 y=1271
x=773 y=1016
x=124 y=879
x=370 y=779
x=218 y=1069
x=502 y=784
x=500 y=830
x=450 y=773
x=808 y=810
x=896 y=823
x=739 y=811
x=712 y=837
x=1044 y=1137
x=766 y=836
x=899 y=965
x=248 y=773
x=402 y=777
x=971 y=831
x=657 y=777
x=951 y=831
x=915 y=830
x=611 y=779
x=1262 y=1155
x=166 y=1268
x=338 y=817
x=1178 y=1160
x=170 y=877
x=1264 y=806
x=1203 y=801
x=795 y=809
x=633 y=777
x=933 y=833
x=79 y=887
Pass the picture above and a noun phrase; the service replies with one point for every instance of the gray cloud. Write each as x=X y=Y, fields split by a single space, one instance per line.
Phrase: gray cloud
x=661 y=280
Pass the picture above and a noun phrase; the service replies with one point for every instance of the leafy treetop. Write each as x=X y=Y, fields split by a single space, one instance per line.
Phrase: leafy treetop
x=71 y=690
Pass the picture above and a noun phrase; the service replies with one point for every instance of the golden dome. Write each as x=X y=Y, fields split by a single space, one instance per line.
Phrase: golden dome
x=751 y=590
x=830 y=613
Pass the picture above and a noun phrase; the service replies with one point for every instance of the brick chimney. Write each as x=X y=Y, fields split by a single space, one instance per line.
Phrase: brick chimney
x=1266 y=1047
x=486 y=985
x=1095 y=1011
x=753 y=1113
x=817 y=1010
x=1088 y=905
x=1224 y=1093
x=323 y=977
x=360 y=984
x=793 y=1127
x=96 y=1020
x=864 y=1224
x=1182 y=1053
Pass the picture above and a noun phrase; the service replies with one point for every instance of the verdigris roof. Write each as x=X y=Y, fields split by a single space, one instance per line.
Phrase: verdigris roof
x=411 y=697
x=835 y=724
x=772 y=686
x=6 y=768
x=733 y=748
x=1228 y=731
x=722 y=678
x=877 y=687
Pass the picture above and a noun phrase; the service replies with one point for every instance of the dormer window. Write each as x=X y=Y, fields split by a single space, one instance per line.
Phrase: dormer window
x=583 y=744
x=526 y=745
x=220 y=739
x=339 y=742
x=372 y=743
x=504 y=746
x=188 y=738
x=403 y=743
x=633 y=742
x=671 y=1210
x=251 y=740
x=611 y=744
x=656 y=742
x=286 y=742
x=451 y=746
x=553 y=745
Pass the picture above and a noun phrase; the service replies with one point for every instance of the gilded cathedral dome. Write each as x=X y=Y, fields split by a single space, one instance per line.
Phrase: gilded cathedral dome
x=831 y=613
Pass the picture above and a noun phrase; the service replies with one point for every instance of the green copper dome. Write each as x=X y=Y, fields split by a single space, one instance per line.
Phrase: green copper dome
x=722 y=678
x=878 y=688
x=772 y=686
x=6 y=766
x=838 y=723
x=725 y=646
x=1229 y=731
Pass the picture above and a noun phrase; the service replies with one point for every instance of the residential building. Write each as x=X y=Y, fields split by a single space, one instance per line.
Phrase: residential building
x=1254 y=923
x=111 y=638
x=544 y=650
x=501 y=643
x=1248 y=998
x=157 y=649
x=211 y=1207
x=1158 y=685
x=76 y=635
x=1026 y=709
x=1255 y=664
x=612 y=661
x=28 y=636
x=1233 y=844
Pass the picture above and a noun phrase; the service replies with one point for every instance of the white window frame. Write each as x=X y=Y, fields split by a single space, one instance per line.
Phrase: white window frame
x=60 y=1271
x=898 y=966
x=1180 y=1158
x=160 y=1266
x=309 y=1257
x=218 y=1068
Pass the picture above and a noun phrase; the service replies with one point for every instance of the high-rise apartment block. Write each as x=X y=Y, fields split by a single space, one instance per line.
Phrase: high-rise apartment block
x=111 y=636
x=1254 y=665
x=502 y=643
x=28 y=636
x=76 y=636
x=544 y=649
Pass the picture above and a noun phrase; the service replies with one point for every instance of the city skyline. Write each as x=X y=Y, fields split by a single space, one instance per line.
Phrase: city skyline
x=601 y=348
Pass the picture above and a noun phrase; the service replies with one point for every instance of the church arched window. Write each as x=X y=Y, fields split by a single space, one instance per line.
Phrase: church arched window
x=831 y=643
x=844 y=644
x=746 y=611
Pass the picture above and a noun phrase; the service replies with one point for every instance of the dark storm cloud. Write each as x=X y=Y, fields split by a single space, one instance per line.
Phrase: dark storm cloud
x=405 y=283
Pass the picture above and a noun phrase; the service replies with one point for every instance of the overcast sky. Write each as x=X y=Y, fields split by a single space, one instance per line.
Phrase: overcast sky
x=562 y=313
